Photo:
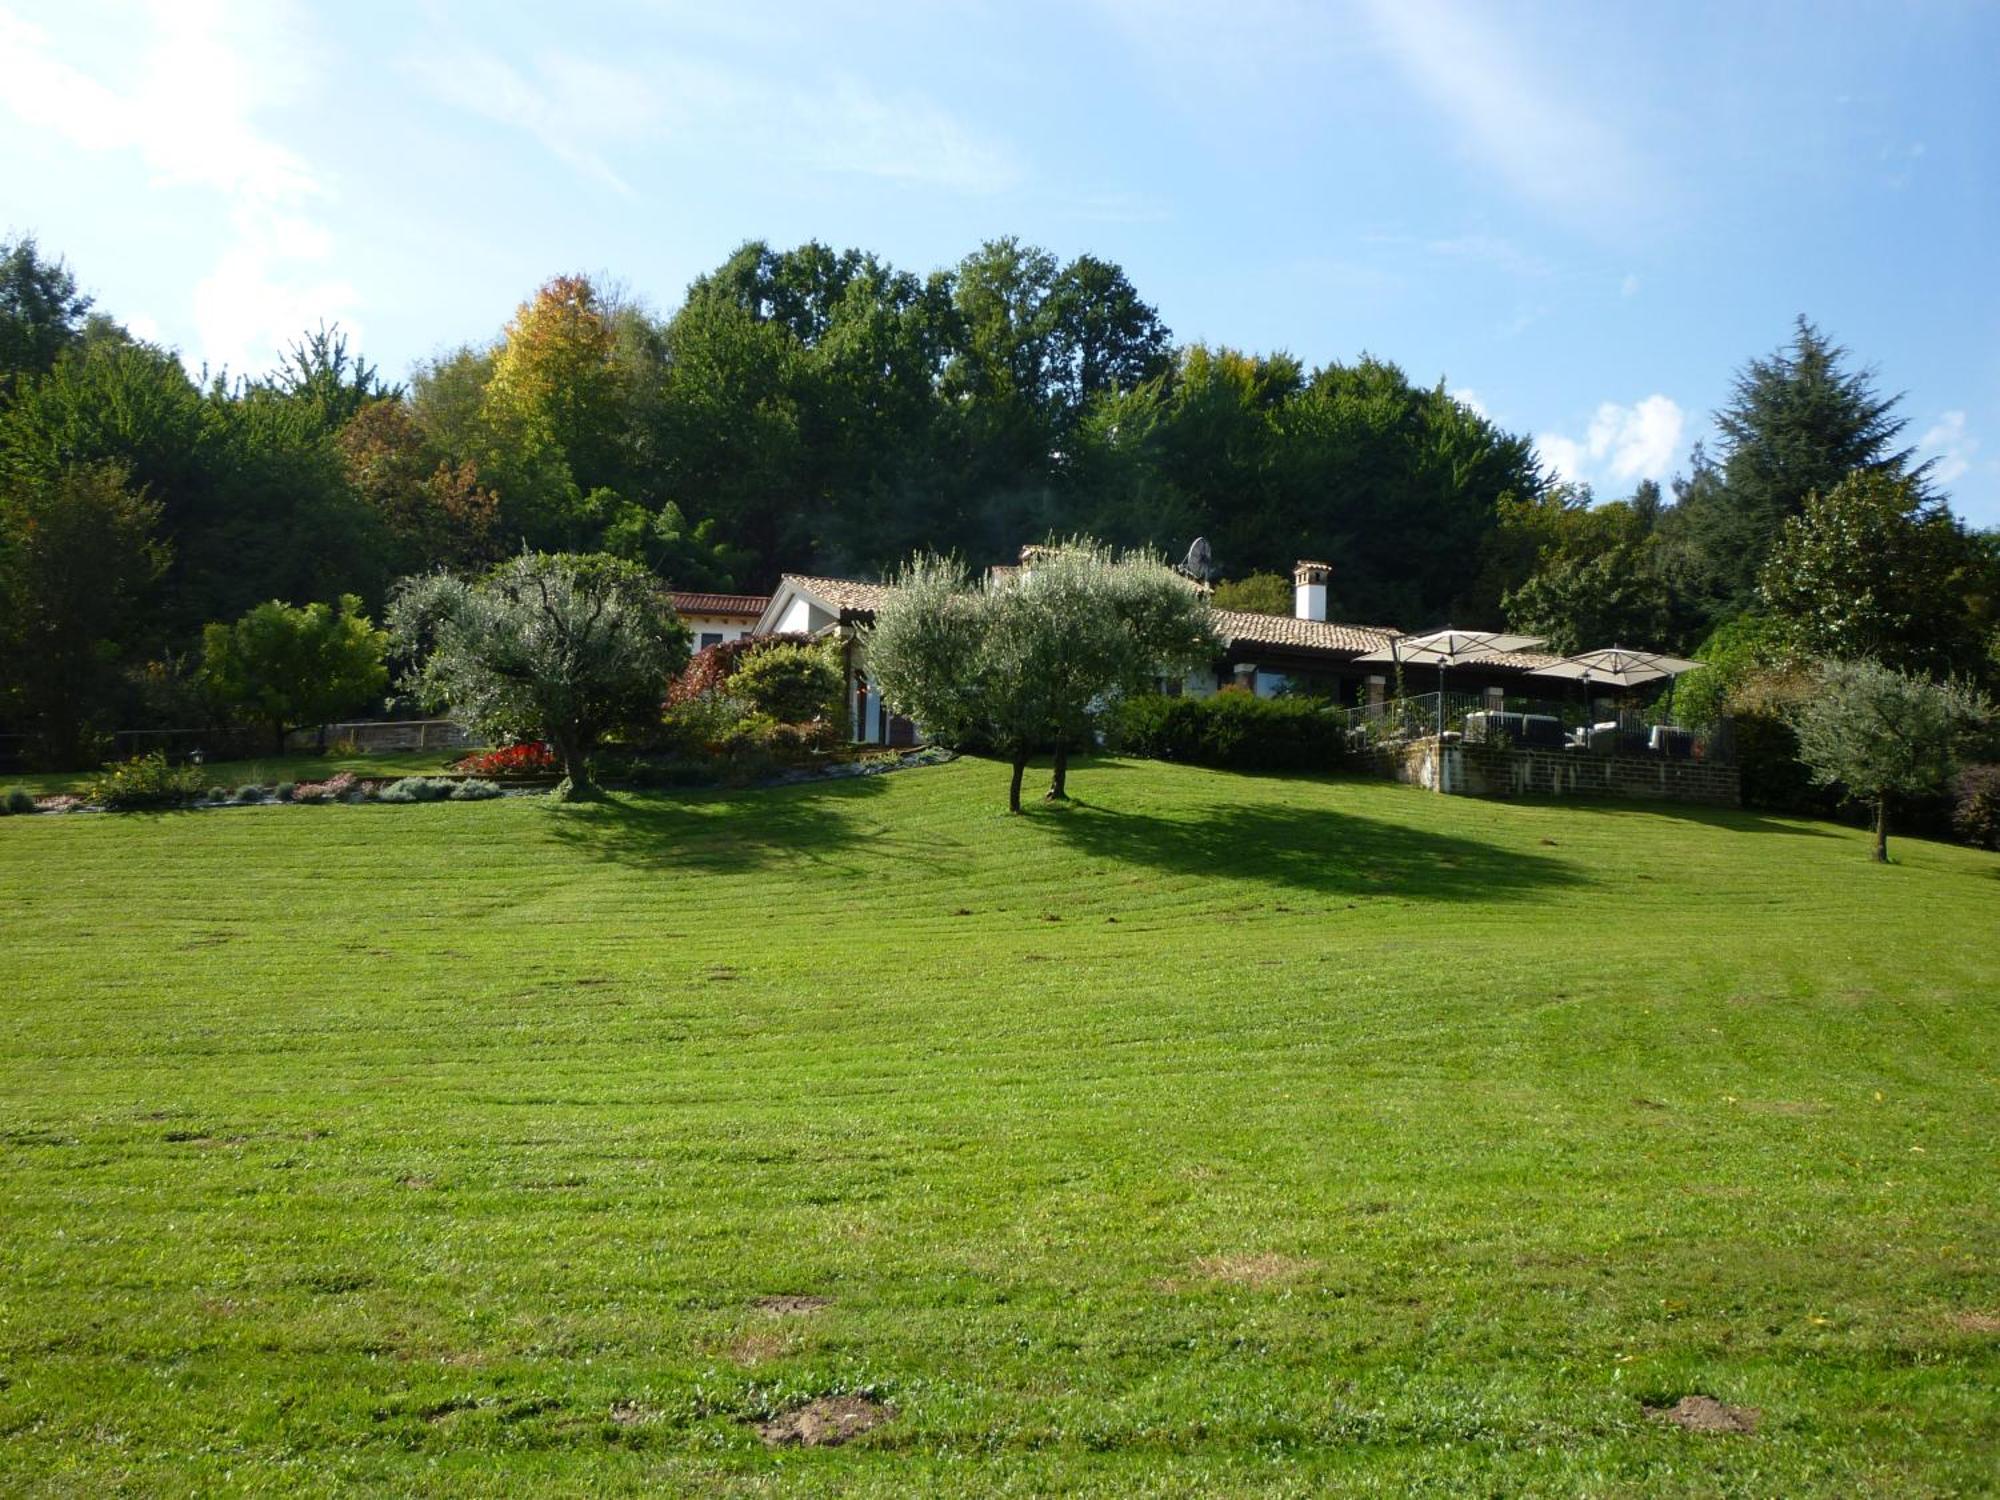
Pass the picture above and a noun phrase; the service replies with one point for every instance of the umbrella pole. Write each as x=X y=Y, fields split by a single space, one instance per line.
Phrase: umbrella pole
x=1440 y=736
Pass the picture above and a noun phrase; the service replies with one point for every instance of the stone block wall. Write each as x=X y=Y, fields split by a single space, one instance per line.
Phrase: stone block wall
x=1505 y=771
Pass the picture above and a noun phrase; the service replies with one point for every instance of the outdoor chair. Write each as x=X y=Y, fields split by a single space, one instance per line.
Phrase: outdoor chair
x=1539 y=731
x=1671 y=741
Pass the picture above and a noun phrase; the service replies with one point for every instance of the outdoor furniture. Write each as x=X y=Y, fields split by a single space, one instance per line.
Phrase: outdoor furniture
x=1529 y=731
x=1492 y=724
x=1671 y=741
x=1540 y=731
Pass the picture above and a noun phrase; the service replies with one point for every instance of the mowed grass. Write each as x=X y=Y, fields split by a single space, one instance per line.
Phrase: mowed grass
x=1218 y=1135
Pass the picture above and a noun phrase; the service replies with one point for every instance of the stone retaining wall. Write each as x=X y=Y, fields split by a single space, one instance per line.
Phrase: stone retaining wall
x=1500 y=771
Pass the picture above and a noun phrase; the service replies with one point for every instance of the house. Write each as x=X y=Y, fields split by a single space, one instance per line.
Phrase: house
x=840 y=608
x=1267 y=654
x=1271 y=654
x=714 y=618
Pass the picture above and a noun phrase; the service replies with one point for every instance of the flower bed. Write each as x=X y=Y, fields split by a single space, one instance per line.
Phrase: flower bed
x=531 y=759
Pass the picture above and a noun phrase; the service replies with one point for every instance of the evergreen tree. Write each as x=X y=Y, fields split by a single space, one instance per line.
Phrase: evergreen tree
x=41 y=311
x=1797 y=423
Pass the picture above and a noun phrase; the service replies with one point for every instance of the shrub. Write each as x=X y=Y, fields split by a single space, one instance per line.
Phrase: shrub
x=697 y=726
x=1236 y=731
x=250 y=792
x=331 y=790
x=418 y=789
x=793 y=684
x=475 y=790
x=17 y=801
x=532 y=759
x=284 y=791
x=713 y=666
x=797 y=744
x=144 y=781
x=1975 y=813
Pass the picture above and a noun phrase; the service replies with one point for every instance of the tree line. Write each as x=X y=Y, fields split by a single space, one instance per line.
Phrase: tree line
x=815 y=409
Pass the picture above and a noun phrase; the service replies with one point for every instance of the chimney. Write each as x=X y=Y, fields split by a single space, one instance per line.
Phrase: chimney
x=1309 y=580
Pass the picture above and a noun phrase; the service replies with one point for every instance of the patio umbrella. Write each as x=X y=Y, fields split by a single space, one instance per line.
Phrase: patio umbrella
x=1447 y=648
x=1617 y=667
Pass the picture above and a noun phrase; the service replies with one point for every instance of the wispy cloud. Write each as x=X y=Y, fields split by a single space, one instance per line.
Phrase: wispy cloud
x=1514 y=117
x=588 y=113
x=1624 y=444
x=1950 y=446
x=206 y=71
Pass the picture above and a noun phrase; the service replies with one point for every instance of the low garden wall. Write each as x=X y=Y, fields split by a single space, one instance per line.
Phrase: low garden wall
x=1505 y=771
x=385 y=734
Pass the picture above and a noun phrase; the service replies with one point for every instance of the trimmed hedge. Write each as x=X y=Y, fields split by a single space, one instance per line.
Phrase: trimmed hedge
x=1232 y=730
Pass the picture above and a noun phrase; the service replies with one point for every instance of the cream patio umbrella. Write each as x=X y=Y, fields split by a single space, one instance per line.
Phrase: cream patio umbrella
x=1447 y=648
x=1617 y=667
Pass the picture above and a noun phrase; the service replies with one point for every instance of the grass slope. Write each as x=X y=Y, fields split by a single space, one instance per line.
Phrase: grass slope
x=1221 y=1135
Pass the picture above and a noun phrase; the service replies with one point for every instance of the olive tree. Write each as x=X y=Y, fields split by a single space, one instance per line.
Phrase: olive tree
x=1881 y=733
x=552 y=646
x=1031 y=658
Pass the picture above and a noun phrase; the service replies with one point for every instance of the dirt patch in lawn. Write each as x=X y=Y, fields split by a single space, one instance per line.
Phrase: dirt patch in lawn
x=1252 y=1270
x=1973 y=1322
x=791 y=1305
x=632 y=1413
x=755 y=1348
x=1706 y=1414
x=825 y=1423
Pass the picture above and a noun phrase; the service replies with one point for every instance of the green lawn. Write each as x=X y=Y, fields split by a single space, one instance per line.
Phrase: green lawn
x=267 y=770
x=1218 y=1135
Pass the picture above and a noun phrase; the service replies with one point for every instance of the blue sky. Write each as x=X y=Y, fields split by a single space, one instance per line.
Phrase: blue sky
x=1584 y=217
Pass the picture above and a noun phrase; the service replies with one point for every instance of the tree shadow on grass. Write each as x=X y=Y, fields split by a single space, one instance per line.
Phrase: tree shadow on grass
x=1733 y=819
x=1321 y=850
x=726 y=832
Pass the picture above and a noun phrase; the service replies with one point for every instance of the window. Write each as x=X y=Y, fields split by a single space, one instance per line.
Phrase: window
x=710 y=638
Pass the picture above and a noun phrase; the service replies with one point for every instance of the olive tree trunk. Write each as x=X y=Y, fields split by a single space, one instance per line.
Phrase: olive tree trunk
x=576 y=785
x=1014 y=788
x=1059 y=781
x=1881 y=854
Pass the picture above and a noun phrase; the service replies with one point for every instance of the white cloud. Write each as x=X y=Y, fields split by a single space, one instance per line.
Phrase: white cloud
x=1564 y=455
x=1624 y=444
x=206 y=71
x=585 y=112
x=1513 y=118
x=1467 y=397
x=1950 y=446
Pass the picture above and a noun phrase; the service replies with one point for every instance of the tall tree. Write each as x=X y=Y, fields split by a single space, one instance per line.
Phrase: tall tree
x=1871 y=568
x=318 y=369
x=79 y=556
x=1797 y=423
x=433 y=510
x=41 y=311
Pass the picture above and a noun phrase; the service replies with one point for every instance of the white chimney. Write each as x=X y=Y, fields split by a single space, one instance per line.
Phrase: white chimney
x=1309 y=581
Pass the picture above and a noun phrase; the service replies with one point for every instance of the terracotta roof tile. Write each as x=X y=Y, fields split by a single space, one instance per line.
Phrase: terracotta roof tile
x=844 y=594
x=1241 y=628
x=720 y=604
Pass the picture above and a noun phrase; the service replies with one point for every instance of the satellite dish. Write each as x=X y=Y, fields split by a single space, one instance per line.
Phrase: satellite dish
x=1200 y=561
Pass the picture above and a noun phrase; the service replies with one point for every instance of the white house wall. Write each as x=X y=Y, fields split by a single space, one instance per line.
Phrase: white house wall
x=800 y=616
x=730 y=628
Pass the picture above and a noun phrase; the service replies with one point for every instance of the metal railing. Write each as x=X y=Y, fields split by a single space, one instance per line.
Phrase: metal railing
x=1538 y=723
